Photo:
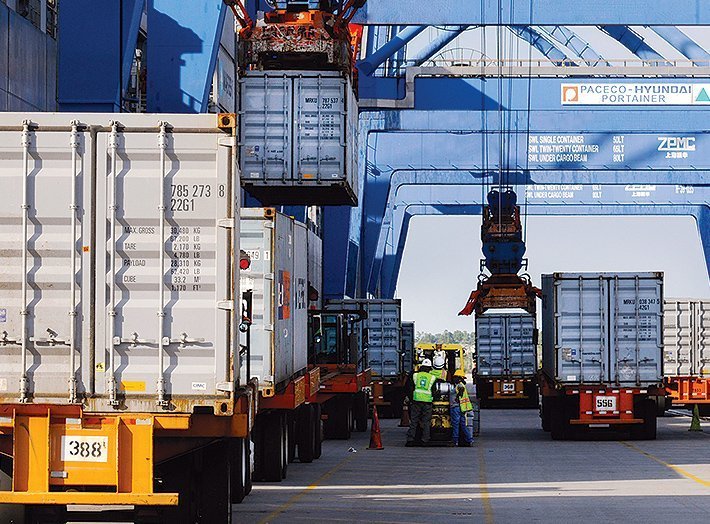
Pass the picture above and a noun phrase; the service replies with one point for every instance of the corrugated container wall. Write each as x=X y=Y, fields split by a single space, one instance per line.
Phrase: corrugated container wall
x=298 y=137
x=315 y=269
x=381 y=335
x=300 y=290
x=128 y=299
x=686 y=338
x=278 y=265
x=603 y=328
x=408 y=337
x=506 y=345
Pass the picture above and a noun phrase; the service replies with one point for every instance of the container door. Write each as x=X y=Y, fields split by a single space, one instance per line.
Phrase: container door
x=164 y=267
x=257 y=239
x=702 y=337
x=266 y=127
x=383 y=335
x=299 y=284
x=45 y=245
x=321 y=127
x=491 y=348
x=521 y=349
x=678 y=343
x=284 y=299
x=636 y=320
x=581 y=320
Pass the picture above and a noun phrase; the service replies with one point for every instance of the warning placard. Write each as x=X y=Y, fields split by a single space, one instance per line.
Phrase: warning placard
x=635 y=94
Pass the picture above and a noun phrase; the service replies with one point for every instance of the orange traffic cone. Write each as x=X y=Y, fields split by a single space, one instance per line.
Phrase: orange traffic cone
x=375 y=435
x=404 y=421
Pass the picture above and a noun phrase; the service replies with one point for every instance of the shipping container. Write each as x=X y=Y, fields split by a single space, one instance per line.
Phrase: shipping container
x=276 y=278
x=506 y=359
x=151 y=329
x=602 y=363
x=506 y=345
x=603 y=328
x=298 y=137
x=686 y=352
x=315 y=270
x=408 y=336
x=117 y=291
x=686 y=338
x=381 y=333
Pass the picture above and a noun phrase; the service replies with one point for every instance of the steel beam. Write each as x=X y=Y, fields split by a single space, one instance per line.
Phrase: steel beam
x=679 y=40
x=540 y=42
x=447 y=35
x=372 y=62
x=534 y=12
x=96 y=45
x=182 y=53
x=632 y=41
x=568 y=38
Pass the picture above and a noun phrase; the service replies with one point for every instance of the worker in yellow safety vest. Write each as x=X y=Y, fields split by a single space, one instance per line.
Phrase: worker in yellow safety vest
x=460 y=404
x=420 y=407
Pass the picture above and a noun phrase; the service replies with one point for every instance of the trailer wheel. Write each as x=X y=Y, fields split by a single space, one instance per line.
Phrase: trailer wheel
x=545 y=414
x=645 y=409
x=306 y=433
x=286 y=444
x=361 y=408
x=318 y=431
x=271 y=448
x=559 y=418
x=292 y=424
x=339 y=423
x=533 y=394
x=240 y=469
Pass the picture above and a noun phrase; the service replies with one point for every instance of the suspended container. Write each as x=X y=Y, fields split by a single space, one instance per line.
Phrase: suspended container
x=506 y=345
x=298 y=137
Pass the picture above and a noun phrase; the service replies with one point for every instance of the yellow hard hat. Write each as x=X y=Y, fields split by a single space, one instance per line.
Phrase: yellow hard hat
x=460 y=373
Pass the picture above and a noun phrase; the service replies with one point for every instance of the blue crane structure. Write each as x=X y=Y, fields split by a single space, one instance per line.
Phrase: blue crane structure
x=435 y=134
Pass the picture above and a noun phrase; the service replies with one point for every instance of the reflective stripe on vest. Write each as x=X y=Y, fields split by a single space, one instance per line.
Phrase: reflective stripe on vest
x=465 y=402
x=422 y=387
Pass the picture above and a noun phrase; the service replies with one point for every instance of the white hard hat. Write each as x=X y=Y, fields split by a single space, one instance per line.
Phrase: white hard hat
x=425 y=362
x=439 y=361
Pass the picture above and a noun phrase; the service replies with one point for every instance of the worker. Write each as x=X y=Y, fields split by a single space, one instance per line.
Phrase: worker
x=460 y=405
x=439 y=370
x=420 y=407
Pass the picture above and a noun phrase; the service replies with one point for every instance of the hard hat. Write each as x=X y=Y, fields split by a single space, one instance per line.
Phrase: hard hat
x=460 y=373
x=425 y=363
x=439 y=360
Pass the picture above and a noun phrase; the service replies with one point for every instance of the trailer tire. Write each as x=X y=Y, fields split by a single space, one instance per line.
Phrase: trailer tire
x=645 y=409
x=285 y=449
x=292 y=426
x=339 y=422
x=545 y=414
x=361 y=408
x=271 y=448
x=318 y=431
x=306 y=433
x=240 y=469
x=559 y=418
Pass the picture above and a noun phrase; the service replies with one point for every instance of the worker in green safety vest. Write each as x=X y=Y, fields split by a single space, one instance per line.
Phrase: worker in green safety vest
x=460 y=405
x=420 y=407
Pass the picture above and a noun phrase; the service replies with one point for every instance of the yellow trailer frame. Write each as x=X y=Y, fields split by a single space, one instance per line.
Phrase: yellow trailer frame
x=63 y=455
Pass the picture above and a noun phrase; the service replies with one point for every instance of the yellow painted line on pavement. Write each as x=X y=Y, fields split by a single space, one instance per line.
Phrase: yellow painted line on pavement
x=290 y=502
x=678 y=470
x=485 y=495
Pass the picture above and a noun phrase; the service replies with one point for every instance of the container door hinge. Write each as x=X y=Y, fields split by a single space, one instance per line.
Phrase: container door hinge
x=226 y=223
x=225 y=386
x=227 y=305
x=228 y=141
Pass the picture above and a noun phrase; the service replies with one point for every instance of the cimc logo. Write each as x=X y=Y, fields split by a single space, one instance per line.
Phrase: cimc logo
x=570 y=94
x=676 y=143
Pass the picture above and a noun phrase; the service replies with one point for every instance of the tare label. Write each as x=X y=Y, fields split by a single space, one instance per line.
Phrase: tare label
x=635 y=94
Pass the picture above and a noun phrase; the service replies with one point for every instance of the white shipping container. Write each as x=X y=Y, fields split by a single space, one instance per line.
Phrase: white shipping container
x=278 y=342
x=116 y=254
x=603 y=328
x=382 y=335
x=298 y=137
x=505 y=345
x=686 y=338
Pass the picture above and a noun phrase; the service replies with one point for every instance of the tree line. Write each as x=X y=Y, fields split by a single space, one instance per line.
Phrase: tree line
x=447 y=337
